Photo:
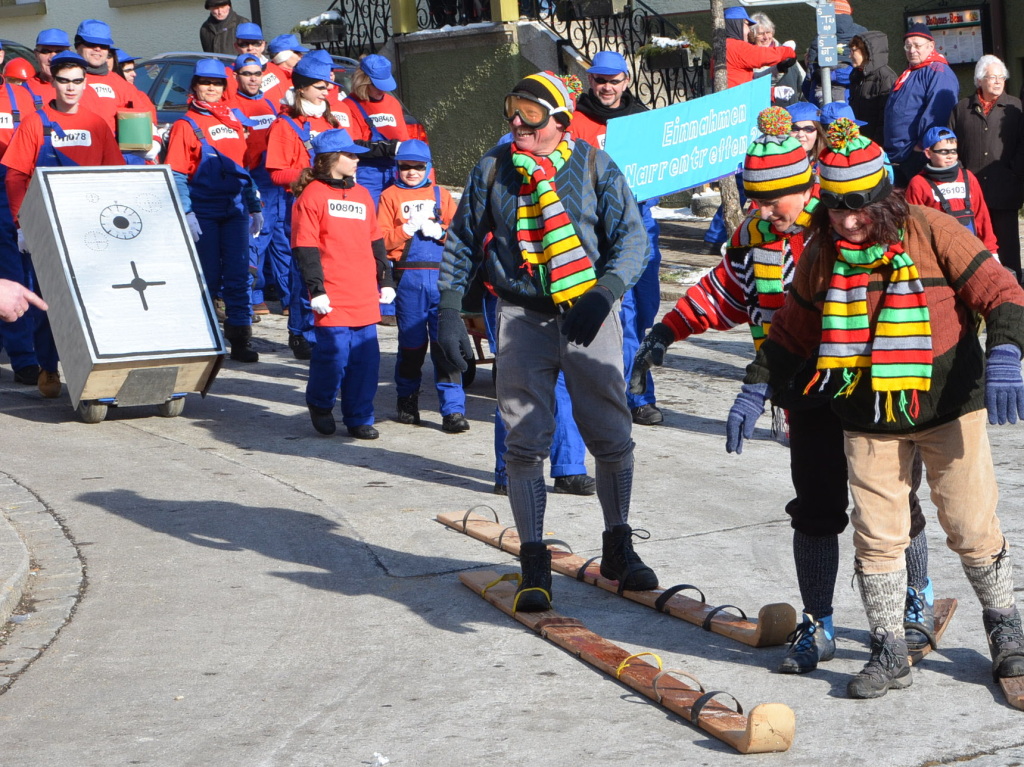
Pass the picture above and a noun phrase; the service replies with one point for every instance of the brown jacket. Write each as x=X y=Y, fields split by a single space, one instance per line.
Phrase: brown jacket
x=959 y=276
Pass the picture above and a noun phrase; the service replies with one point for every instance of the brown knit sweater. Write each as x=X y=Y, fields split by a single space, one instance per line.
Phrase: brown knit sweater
x=959 y=277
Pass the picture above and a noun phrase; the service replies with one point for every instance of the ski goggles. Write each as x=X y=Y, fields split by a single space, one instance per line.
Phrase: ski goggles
x=855 y=200
x=532 y=112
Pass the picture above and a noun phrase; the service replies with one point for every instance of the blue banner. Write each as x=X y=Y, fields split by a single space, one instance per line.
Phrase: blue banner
x=687 y=144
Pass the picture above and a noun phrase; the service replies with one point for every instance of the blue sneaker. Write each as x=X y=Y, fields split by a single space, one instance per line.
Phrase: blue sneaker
x=919 y=617
x=811 y=643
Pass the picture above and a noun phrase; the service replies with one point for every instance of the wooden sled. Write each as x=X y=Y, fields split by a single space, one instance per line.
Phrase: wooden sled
x=944 y=609
x=768 y=728
x=774 y=621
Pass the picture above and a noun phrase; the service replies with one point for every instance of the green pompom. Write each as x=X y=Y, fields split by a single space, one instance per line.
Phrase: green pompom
x=774 y=121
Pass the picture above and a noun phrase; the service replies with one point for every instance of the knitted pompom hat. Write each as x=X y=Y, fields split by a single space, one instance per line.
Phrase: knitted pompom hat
x=776 y=163
x=557 y=93
x=851 y=165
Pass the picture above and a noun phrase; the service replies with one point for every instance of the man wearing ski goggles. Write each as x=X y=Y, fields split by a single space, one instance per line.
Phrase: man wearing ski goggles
x=533 y=112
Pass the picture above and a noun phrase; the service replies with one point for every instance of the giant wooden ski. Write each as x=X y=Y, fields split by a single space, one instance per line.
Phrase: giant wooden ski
x=1013 y=689
x=769 y=727
x=774 y=621
x=944 y=609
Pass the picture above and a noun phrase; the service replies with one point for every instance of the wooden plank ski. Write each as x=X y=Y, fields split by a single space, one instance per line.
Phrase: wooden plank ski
x=768 y=728
x=774 y=621
x=944 y=609
x=1013 y=689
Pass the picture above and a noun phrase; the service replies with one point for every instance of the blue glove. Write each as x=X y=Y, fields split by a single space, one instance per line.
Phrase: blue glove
x=1004 y=388
x=585 y=317
x=743 y=416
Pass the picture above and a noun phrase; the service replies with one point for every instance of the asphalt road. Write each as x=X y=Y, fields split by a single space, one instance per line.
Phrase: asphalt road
x=255 y=594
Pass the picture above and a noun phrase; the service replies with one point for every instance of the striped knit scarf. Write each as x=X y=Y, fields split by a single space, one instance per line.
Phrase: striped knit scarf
x=547 y=238
x=770 y=266
x=899 y=356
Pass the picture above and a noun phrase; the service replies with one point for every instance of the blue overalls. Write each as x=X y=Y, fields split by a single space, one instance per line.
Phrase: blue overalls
x=16 y=337
x=215 y=191
x=376 y=176
x=567 y=449
x=300 y=313
x=640 y=305
x=269 y=252
x=416 y=303
x=49 y=157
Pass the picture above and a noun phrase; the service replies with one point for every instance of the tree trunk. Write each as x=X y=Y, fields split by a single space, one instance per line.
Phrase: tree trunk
x=730 y=194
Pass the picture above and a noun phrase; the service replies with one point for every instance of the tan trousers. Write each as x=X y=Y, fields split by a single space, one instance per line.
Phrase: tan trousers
x=958 y=461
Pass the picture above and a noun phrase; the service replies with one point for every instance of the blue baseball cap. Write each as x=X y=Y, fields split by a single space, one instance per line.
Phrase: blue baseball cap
x=123 y=57
x=96 y=32
x=935 y=135
x=413 y=150
x=67 y=57
x=286 y=43
x=738 y=12
x=245 y=59
x=210 y=68
x=319 y=54
x=378 y=69
x=836 y=109
x=336 y=140
x=248 y=31
x=608 y=63
x=803 y=111
x=53 y=38
x=313 y=68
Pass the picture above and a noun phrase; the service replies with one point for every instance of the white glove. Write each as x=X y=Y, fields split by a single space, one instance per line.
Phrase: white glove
x=790 y=44
x=154 y=150
x=783 y=93
x=387 y=295
x=433 y=230
x=193 y=226
x=21 y=241
x=321 y=304
x=255 y=224
x=410 y=228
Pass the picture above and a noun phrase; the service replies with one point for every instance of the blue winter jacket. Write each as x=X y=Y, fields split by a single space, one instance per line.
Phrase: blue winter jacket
x=925 y=100
x=597 y=200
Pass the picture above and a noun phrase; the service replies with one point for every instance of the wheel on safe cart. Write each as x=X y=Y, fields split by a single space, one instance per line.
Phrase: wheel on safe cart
x=92 y=411
x=172 y=408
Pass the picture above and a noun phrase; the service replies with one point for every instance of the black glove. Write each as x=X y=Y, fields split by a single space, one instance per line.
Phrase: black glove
x=587 y=315
x=651 y=352
x=453 y=341
x=785 y=64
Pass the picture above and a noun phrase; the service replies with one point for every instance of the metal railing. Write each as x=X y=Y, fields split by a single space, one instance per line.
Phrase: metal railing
x=367 y=27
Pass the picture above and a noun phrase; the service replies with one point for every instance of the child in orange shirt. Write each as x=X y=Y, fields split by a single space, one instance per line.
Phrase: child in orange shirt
x=414 y=214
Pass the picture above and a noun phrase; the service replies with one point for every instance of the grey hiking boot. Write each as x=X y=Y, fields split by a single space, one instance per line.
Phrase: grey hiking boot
x=534 y=593
x=1005 y=642
x=889 y=667
x=919 y=617
x=810 y=643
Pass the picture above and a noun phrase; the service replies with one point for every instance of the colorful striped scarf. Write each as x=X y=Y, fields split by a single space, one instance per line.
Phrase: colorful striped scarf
x=898 y=351
x=770 y=266
x=547 y=238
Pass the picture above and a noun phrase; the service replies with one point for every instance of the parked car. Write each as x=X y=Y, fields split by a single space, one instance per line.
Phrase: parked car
x=15 y=50
x=165 y=79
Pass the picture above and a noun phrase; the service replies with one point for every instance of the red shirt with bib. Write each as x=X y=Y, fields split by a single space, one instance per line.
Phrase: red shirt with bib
x=342 y=225
x=287 y=155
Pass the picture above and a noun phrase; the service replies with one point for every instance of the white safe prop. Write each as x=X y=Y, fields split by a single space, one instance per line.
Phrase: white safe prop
x=130 y=311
